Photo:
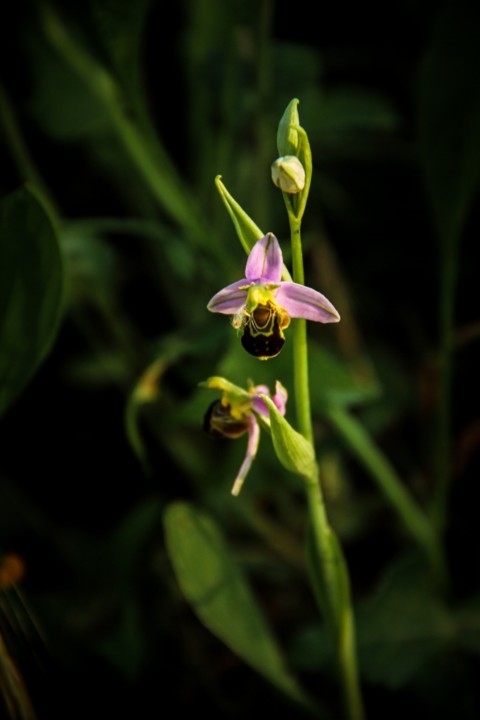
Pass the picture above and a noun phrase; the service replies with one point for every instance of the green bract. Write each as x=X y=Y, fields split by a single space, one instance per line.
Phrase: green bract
x=293 y=450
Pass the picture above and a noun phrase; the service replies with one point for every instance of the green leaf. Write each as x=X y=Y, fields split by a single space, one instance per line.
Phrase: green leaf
x=294 y=452
x=31 y=286
x=215 y=587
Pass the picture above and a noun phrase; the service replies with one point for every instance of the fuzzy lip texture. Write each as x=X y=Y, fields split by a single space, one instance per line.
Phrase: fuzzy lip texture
x=264 y=269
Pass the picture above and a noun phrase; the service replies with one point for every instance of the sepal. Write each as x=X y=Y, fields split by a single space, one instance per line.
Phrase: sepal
x=248 y=232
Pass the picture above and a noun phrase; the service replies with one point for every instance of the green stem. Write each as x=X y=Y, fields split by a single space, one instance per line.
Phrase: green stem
x=300 y=346
x=335 y=599
x=327 y=554
x=414 y=519
x=301 y=380
x=349 y=667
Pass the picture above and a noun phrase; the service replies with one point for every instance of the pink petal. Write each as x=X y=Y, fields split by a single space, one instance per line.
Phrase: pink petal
x=252 y=447
x=230 y=299
x=265 y=261
x=258 y=403
x=304 y=302
x=280 y=397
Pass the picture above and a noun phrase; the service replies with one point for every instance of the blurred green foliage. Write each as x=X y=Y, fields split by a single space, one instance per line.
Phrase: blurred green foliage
x=115 y=120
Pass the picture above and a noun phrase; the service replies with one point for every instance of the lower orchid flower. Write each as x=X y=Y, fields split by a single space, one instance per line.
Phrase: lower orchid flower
x=263 y=305
x=240 y=411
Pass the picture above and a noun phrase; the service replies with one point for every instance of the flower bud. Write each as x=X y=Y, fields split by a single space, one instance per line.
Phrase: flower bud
x=293 y=145
x=287 y=137
x=288 y=174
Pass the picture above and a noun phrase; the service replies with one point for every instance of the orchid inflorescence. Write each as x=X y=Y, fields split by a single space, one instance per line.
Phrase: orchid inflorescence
x=262 y=305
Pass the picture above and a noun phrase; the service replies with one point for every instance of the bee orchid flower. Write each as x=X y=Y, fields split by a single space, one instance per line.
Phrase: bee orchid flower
x=263 y=305
x=239 y=412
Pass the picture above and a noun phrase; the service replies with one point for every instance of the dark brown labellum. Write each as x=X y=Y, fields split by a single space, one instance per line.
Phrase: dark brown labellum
x=218 y=422
x=263 y=334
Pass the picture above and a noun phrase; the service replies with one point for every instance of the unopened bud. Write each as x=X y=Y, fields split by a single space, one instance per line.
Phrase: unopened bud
x=287 y=136
x=288 y=174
